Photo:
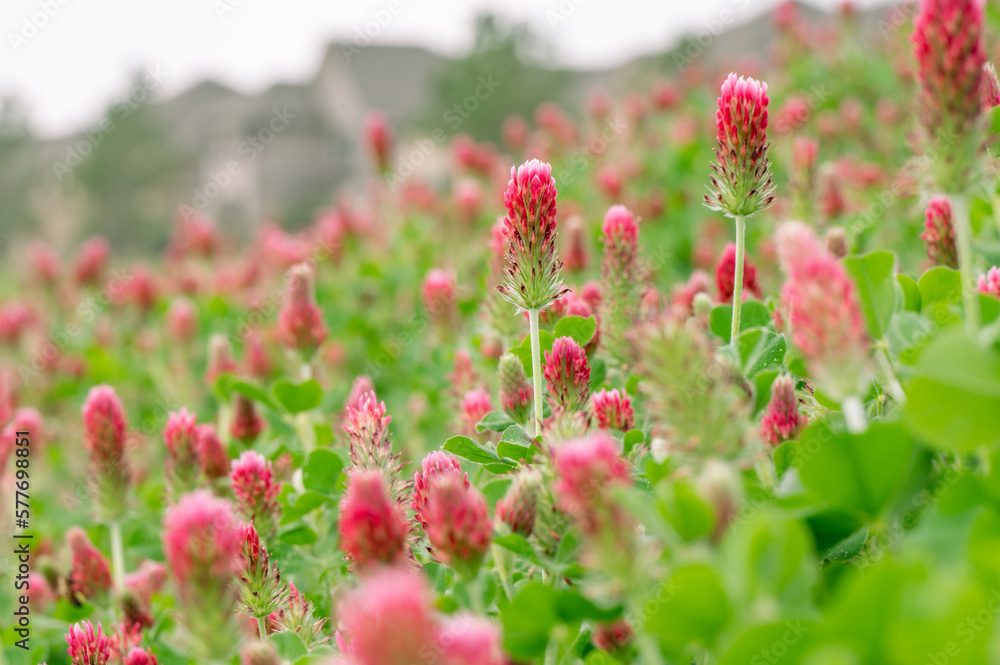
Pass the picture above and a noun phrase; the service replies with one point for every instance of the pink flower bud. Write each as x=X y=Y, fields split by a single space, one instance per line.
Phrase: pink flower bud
x=823 y=312
x=613 y=637
x=531 y=274
x=259 y=582
x=246 y=424
x=621 y=237
x=947 y=43
x=255 y=356
x=466 y=639
x=44 y=264
x=468 y=197
x=990 y=282
x=378 y=135
x=682 y=302
x=613 y=410
x=139 y=656
x=91 y=574
x=609 y=180
x=439 y=293
x=991 y=87
x=91 y=261
x=804 y=153
x=256 y=490
x=515 y=132
x=182 y=320
x=436 y=463
x=587 y=470
x=567 y=375
x=939 y=232
x=15 y=319
x=372 y=527
x=519 y=506
x=300 y=323
x=725 y=275
x=576 y=245
x=104 y=438
x=220 y=359
x=180 y=435
x=475 y=404
x=458 y=523
x=782 y=420
x=201 y=541
x=741 y=183
x=463 y=376
x=212 y=455
x=147 y=580
x=388 y=619
x=368 y=429
x=87 y=646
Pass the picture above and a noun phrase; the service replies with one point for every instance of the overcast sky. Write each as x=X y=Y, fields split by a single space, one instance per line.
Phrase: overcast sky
x=66 y=59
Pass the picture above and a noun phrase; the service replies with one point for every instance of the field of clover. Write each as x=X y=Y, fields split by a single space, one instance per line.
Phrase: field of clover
x=705 y=374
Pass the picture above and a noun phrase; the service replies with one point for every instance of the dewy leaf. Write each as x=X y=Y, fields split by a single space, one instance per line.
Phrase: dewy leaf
x=873 y=275
x=466 y=448
x=858 y=472
x=322 y=471
x=752 y=315
x=760 y=350
x=515 y=444
x=939 y=284
x=954 y=399
x=495 y=421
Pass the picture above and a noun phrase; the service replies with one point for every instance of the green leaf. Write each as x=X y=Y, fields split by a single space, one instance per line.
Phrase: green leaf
x=752 y=315
x=288 y=644
x=523 y=352
x=782 y=643
x=690 y=516
x=466 y=448
x=253 y=392
x=580 y=329
x=517 y=544
x=527 y=621
x=859 y=472
x=954 y=399
x=494 y=421
x=631 y=438
x=297 y=398
x=304 y=504
x=873 y=275
x=911 y=293
x=598 y=372
x=689 y=608
x=760 y=350
x=322 y=471
x=300 y=535
x=516 y=444
x=849 y=547
x=939 y=285
x=571 y=607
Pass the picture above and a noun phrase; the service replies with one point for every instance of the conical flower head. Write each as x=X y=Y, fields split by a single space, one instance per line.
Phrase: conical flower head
x=457 y=523
x=137 y=656
x=621 y=240
x=532 y=272
x=476 y=403
x=256 y=490
x=939 y=232
x=516 y=393
x=298 y=617
x=372 y=527
x=567 y=375
x=368 y=429
x=247 y=423
x=220 y=358
x=378 y=136
x=259 y=582
x=824 y=312
x=782 y=420
x=300 y=323
x=212 y=455
x=388 y=620
x=519 y=506
x=90 y=575
x=439 y=293
x=587 y=470
x=88 y=646
x=436 y=463
x=613 y=410
x=741 y=178
x=104 y=438
x=990 y=282
x=202 y=540
x=948 y=45
x=725 y=275
x=180 y=434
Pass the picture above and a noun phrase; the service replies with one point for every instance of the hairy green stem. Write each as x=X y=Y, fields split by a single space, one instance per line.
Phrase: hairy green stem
x=963 y=243
x=536 y=368
x=261 y=628
x=738 y=277
x=117 y=555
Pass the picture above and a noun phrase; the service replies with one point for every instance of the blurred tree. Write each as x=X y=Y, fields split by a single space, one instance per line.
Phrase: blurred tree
x=15 y=178
x=503 y=74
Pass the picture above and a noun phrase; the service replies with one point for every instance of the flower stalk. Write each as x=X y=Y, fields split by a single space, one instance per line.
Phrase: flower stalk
x=738 y=276
x=536 y=370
